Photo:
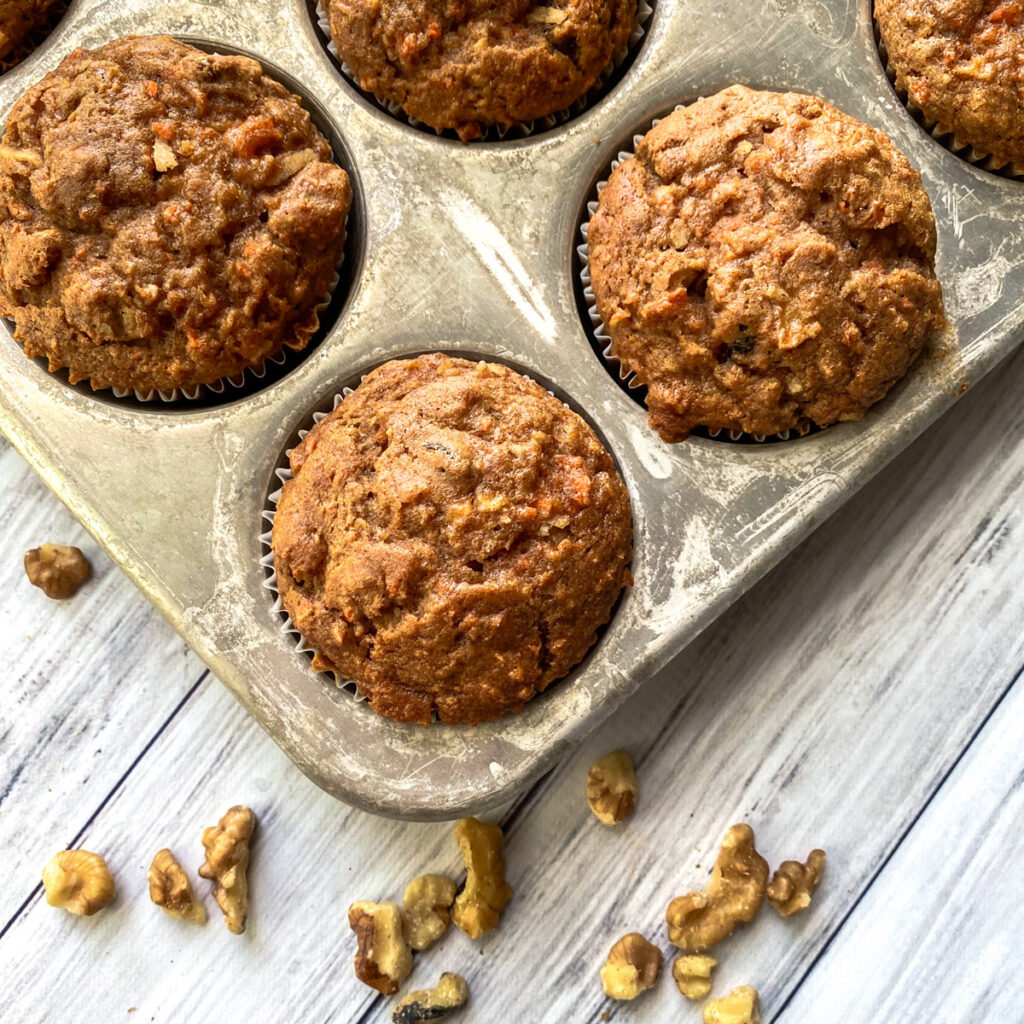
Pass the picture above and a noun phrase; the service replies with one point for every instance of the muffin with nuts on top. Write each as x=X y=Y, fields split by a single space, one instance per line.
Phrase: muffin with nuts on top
x=451 y=539
x=168 y=217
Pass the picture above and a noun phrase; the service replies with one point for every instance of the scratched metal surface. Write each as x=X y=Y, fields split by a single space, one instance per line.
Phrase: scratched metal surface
x=469 y=248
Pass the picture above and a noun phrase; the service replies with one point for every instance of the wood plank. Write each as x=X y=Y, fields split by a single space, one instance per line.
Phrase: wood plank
x=938 y=935
x=87 y=682
x=825 y=708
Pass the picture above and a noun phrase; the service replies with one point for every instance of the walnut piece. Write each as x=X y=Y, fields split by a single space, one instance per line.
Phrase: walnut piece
x=612 y=787
x=699 y=920
x=78 y=881
x=426 y=908
x=383 y=958
x=632 y=967
x=163 y=156
x=792 y=884
x=740 y=1006
x=692 y=973
x=170 y=889
x=436 y=1003
x=486 y=893
x=227 y=860
x=57 y=570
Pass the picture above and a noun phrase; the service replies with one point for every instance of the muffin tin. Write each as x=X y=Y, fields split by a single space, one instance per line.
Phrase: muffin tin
x=471 y=249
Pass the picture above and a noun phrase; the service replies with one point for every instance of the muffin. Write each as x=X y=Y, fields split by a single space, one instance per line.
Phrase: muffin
x=468 y=65
x=18 y=19
x=961 y=62
x=451 y=539
x=167 y=217
x=764 y=263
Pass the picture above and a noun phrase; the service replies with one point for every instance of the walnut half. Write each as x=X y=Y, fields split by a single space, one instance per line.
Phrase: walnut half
x=78 y=881
x=612 y=787
x=57 y=570
x=740 y=1006
x=486 y=893
x=426 y=909
x=692 y=974
x=226 y=864
x=170 y=889
x=633 y=966
x=791 y=886
x=735 y=893
x=383 y=959
x=437 y=1003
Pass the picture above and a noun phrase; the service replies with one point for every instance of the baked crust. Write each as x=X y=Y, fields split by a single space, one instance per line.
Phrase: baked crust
x=467 y=64
x=451 y=539
x=167 y=217
x=764 y=263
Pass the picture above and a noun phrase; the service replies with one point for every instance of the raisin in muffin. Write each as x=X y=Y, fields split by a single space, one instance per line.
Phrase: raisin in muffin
x=167 y=217
x=465 y=65
x=764 y=263
x=961 y=62
x=18 y=20
x=451 y=539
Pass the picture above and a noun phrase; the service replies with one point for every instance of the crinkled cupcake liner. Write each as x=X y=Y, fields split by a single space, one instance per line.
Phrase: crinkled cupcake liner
x=601 y=336
x=499 y=133
x=945 y=137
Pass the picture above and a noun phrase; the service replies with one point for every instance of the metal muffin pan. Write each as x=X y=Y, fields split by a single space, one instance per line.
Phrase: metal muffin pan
x=470 y=248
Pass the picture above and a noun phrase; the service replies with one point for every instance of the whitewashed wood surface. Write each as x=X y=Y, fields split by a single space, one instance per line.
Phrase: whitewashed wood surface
x=865 y=697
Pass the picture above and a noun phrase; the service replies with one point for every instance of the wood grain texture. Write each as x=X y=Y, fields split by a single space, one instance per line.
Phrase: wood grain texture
x=826 y=708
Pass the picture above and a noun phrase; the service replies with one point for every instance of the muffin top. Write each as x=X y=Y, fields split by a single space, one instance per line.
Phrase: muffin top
x=167 y=217
x=17 y=20
x=451 y=539
x=764 y=263
x=962 y=63
x=467 y=64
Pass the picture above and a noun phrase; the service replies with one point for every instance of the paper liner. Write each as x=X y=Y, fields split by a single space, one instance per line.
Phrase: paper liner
x=602 y=336
x=520 y=129
x=943 y=136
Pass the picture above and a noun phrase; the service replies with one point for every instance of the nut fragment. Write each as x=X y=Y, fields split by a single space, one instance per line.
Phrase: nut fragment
x=58 y=570
x=699 y=920
x=612 y=787
x=792 y=884
x=486 y=892
x=170 y=889
x=693 y=974
x=227 y=859
x=632 y=967
x=383 y=959
x=436 y=1003
x=425 y=909
x=163 y=156
x=740 y=1006
x=78 y=881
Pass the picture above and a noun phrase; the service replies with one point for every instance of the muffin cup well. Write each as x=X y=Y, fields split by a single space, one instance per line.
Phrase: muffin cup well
x=946 y=138
x=36 y=37
x=498 y=133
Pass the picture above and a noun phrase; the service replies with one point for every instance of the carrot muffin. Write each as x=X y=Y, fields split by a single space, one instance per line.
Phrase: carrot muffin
x=167 y=217
x=962 y=63
x=451 y=539
x=764 y=263
x=18 y=18
x=466 y=65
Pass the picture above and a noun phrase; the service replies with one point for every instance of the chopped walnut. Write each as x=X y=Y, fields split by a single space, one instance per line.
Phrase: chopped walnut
x=383 y=959
x=24 y=160
x=546 y=16
x=612 y=787
x=437 y=1003
x=78 y=881
x=163 y=156
x=288 y=165
x=791 y=886
x=699 y=920
x=486 y=893
x=170 y=889
x=426 y=909
x=58 y=570
x=740 y=1006
x=227 y=860
x=693 y=974
x=632 y=967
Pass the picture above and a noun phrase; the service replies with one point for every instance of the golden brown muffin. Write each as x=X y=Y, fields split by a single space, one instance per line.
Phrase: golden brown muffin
x=962 y=63
x=451 y=539
x=167 y=217
x=18 y=18
x=466 y=65
x=764 y=263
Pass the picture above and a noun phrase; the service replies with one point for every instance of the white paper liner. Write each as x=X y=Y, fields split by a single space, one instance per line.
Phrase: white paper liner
x=520 y=129
x=288 y=628
x=945 y=138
